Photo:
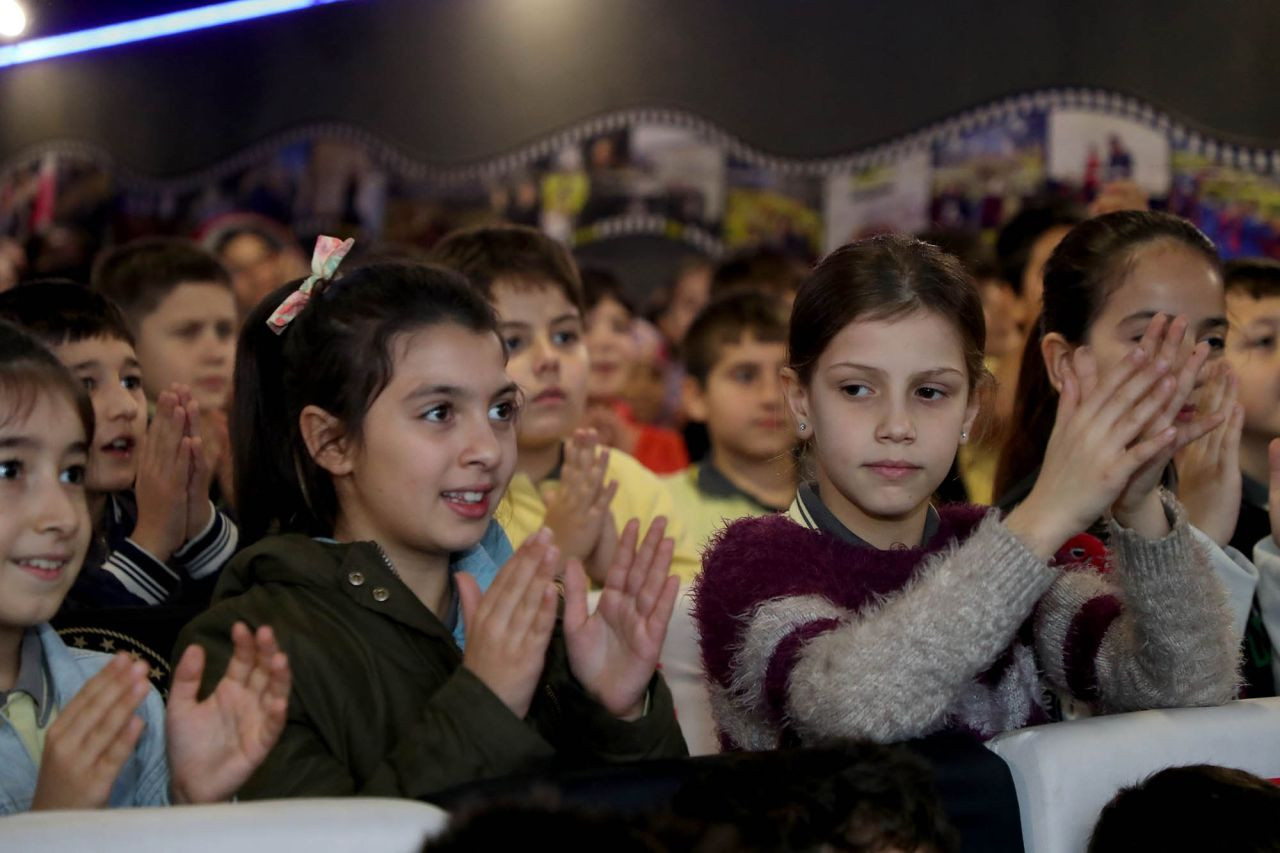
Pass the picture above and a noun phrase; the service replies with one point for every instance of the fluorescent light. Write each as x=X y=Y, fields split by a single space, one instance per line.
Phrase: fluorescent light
x=13 y=20
x=143 y=29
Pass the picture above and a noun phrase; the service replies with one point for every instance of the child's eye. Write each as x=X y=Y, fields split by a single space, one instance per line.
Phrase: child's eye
x=131 y=383
x=928 y=393
x=1216 y=343
x=189 y=332
x=855 y=390
x=1267 y=343
x=514 y=343
x=225 y=330
x=10 y=469
x=438 y=414
x=88 y=383
x=73 y=475
x=743 y=375
x=504 y=411
x=561 y=339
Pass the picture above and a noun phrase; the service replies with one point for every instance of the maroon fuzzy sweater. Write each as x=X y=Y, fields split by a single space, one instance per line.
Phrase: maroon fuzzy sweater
x=806 y=637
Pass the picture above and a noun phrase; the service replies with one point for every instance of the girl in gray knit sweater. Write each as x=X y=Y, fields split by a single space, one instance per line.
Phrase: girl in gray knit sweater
x=867 y=612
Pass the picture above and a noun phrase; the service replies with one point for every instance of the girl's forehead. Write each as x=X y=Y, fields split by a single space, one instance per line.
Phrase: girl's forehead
x=909 y=339
x=1168 y=278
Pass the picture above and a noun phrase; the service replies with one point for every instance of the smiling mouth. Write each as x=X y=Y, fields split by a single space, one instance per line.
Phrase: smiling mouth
x=44 y=568
x=120 y=447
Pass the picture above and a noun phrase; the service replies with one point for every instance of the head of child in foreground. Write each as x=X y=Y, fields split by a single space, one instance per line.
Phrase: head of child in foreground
x=1103 y=284
x=1201 y=807
x=734 y=353
x=612 y=349
x=45 y=419
x=1253 y=346
x=90 y=336
x=884 y=358
x=180 y=306
x=534 y=287
x=383 y=407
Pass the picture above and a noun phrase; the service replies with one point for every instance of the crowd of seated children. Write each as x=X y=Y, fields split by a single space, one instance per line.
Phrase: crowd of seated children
x=83 y=729
x=155 y=532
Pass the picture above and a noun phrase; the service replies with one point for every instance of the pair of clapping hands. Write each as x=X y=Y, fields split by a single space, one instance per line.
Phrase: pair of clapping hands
x=181 y=454
x=612 y=651
x=212 y=745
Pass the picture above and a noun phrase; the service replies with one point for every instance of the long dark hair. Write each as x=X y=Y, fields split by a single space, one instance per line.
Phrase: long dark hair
x=1081 y=274
x=336 y=354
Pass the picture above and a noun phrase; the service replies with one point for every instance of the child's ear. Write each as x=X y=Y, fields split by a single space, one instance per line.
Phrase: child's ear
x=797 y=396
x=327 y=441
x=1055 y=350
x=693 y=399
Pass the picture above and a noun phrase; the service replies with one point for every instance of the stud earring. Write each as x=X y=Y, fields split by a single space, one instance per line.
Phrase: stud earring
x=964 y=435
x=803 y=426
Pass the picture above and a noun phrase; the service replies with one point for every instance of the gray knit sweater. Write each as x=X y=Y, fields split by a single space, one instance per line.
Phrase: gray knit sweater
x=815 y=638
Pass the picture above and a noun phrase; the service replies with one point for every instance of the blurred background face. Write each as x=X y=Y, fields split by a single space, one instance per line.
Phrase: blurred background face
x=611 y=348
x=690 y=294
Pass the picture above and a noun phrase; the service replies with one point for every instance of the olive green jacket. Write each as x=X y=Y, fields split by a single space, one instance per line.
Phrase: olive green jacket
x=381 y=703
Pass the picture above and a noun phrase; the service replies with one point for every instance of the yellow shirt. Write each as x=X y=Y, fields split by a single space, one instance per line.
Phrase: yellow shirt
x=707 y=502
x=640 y=495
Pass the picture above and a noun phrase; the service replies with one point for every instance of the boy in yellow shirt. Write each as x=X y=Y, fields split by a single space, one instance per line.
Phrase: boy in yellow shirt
x=733 y=352
x=564 y=480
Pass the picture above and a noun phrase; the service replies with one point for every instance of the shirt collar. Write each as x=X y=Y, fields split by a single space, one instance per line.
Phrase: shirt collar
x=809 y=511
x=713 y=482
x=33 y=677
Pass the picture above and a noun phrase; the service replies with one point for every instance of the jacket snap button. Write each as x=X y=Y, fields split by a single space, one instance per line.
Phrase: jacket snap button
x=355 y=579
x=380 y=594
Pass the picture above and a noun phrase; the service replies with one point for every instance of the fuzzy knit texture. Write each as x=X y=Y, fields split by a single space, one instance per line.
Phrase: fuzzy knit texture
x=807 y=638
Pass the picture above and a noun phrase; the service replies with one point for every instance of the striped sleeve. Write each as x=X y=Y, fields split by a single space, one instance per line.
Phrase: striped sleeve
x=206 y=553
x=141 y=574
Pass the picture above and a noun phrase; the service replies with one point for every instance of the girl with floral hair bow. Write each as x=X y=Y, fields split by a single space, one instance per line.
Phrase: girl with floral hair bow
x=383 y=436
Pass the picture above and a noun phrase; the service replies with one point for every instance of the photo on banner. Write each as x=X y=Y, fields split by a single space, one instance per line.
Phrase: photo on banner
x=1088 y=149
x=877 y=200
x=981 y=175
x=1239 y=209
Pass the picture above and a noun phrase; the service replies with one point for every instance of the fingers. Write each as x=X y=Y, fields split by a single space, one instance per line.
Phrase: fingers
x=1273 y=460
x=186 y=676
x=468 y=599
x=1108 y=385
x=511 y=584
x=645 y=556
x=241 y=663
x=575 y=595
x=616 y=578
x=106 y=719
x=656 y=573
x=1147 y=449
x=533 y=598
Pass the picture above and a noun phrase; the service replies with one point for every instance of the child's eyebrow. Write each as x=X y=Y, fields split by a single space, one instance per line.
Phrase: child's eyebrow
x=864 y=367
x=18 y=442
x=939 y=371
x=436 y=390
x=576 y=317
x=509 y=388
x=91 y=364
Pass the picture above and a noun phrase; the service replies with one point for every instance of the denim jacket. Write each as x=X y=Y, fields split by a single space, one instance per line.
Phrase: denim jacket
x=144 y=779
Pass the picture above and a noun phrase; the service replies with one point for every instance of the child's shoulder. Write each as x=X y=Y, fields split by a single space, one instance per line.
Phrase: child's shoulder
x=764 y=544
x=624 y=468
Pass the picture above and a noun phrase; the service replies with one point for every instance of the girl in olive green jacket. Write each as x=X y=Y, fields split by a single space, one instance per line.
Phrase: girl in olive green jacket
x=376 y=430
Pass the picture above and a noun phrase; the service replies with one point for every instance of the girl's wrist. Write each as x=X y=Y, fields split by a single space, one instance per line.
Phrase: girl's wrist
x=1043 y=532
x=1147 y=517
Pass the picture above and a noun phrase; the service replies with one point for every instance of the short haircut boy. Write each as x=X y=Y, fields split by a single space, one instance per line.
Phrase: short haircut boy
x=599 y=285
x=513 y=254
x=727 y=319
x=1259 y=278
x=140 y=274
x=59 y=311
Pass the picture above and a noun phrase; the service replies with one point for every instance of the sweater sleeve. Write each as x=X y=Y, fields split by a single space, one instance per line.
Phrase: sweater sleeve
x=886 y=673
x=1266 y=556
x=1155 y=633
x=143 y=576
x=206 y=553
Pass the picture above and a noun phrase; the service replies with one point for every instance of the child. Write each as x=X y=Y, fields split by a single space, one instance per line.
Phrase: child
x=613 y=353
x=182 y=312
x=867 y=612
x=69 y=734
x=563 y=481
x=420 y=665
x=733 y=354
x=181 y=309
x=1253 y=306
x=156 y=529
x=1103 y=283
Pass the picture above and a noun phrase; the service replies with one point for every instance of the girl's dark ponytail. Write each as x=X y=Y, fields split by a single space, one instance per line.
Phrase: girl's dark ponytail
x=1034 y=412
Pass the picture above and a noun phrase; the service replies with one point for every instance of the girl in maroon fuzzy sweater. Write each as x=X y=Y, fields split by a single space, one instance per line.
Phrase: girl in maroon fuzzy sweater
x=867 y=612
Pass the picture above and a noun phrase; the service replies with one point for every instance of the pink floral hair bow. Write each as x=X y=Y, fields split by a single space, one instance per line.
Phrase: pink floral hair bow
x=328 y=254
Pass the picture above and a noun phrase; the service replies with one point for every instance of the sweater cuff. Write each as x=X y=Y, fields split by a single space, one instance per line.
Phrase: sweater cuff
x=1162 y=562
